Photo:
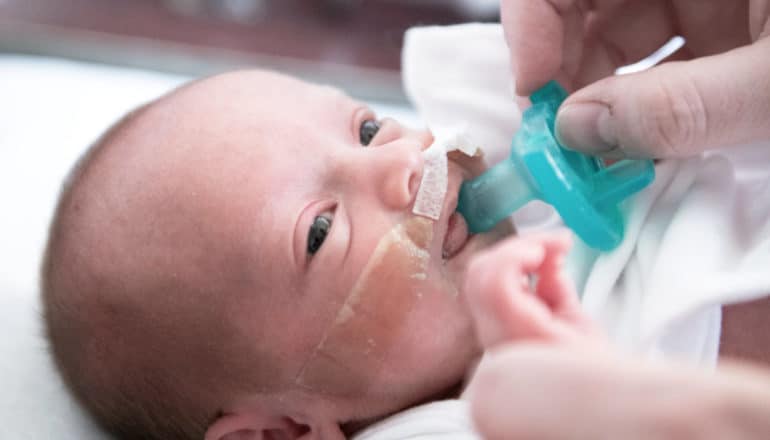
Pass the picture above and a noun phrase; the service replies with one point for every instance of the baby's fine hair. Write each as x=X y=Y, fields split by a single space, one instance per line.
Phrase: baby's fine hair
x=127 y=403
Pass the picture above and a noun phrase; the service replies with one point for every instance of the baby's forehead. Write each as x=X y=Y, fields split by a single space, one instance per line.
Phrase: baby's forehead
x=264 y=105
x=254 y=84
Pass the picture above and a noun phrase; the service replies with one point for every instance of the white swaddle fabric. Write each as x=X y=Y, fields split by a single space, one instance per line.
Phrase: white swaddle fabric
x=697 y=238
x=441 y=420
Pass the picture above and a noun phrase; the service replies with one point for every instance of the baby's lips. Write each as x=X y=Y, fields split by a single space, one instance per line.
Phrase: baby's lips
x=456 y=235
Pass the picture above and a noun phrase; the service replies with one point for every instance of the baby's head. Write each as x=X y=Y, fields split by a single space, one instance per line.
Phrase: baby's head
x=240 y=257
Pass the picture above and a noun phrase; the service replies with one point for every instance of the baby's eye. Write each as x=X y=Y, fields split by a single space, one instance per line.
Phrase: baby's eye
x=368 y=130
x=317 y=234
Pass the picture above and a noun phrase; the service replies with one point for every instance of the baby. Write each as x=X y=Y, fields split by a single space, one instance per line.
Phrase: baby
x=239 y=259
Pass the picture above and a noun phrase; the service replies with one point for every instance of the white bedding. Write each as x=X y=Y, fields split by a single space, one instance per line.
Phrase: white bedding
x=50 y=111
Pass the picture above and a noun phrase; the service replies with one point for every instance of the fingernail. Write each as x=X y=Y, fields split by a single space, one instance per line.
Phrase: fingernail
x=585 y=127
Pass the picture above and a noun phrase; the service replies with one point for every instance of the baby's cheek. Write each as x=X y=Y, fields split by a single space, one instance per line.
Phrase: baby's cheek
x=356 y=349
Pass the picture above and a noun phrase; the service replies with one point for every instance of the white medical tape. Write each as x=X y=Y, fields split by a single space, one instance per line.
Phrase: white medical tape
x=433 y=186
x=430 y=197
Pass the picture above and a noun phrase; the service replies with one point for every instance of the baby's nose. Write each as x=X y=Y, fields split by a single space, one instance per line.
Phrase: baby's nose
x=425 y=138
x=397 y=171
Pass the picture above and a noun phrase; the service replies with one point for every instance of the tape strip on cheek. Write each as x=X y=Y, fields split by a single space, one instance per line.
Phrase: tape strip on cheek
x=358 y=344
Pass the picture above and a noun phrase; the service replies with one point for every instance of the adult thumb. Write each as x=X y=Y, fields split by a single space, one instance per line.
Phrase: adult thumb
x=676 y=109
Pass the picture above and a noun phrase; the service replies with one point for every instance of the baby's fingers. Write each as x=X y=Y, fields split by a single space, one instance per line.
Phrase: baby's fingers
x=493 y=280
x=553 y=286
x=499 y=293
x=557 y=290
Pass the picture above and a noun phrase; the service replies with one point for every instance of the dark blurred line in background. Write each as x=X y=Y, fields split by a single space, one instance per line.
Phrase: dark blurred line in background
x=354 y=44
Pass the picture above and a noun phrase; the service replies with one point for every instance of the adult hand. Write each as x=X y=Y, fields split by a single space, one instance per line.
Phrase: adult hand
x=717 y=92
x=559 y=392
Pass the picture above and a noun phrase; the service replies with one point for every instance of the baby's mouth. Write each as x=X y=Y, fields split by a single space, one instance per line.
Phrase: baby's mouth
x=456 y=236
x=437 y=193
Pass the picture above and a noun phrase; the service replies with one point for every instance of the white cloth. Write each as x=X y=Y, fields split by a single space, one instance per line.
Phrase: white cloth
x=697 y=238
x=441 y=420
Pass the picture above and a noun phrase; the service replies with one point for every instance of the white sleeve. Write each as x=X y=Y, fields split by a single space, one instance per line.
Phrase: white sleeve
x=445 y=420
x=697 y=238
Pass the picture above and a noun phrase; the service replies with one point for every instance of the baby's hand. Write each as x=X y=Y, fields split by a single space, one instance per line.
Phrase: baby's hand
x=516 y=291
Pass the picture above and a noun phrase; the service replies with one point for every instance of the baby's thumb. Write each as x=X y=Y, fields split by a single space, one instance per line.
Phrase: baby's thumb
x=673 y=110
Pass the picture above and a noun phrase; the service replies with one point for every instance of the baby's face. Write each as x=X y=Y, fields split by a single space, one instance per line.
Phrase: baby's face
x=352 y=295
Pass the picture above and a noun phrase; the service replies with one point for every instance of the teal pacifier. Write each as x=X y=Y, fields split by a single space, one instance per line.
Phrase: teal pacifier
x=585 y=191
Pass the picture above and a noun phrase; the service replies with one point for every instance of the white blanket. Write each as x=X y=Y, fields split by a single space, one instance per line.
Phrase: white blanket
x=442 y=420
x=697 y=238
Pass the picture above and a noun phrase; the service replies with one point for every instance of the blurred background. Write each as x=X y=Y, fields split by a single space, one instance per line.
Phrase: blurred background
x=354 y=44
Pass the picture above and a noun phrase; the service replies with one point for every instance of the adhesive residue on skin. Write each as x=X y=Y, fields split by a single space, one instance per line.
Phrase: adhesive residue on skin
x=365 y=328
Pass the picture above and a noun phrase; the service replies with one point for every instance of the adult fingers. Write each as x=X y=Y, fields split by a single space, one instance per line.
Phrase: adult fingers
x=675 y=109
x=535 y=33
x=620 y=34
x=542 y=392
x=547 y=392
x=576 y=41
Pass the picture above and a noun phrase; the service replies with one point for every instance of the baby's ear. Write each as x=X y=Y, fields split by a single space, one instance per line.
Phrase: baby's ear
x=257 y=423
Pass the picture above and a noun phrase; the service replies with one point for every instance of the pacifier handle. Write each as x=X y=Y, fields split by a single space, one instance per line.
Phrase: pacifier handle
x=585 y=191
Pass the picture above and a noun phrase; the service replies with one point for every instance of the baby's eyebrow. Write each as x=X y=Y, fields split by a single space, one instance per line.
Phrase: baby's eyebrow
x=340 y=98
x=353 y=106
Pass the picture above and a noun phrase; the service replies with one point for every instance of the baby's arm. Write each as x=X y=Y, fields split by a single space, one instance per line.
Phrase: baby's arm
x=516 y=291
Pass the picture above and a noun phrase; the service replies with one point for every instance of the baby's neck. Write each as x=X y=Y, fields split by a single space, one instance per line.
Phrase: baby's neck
x=468 y=379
